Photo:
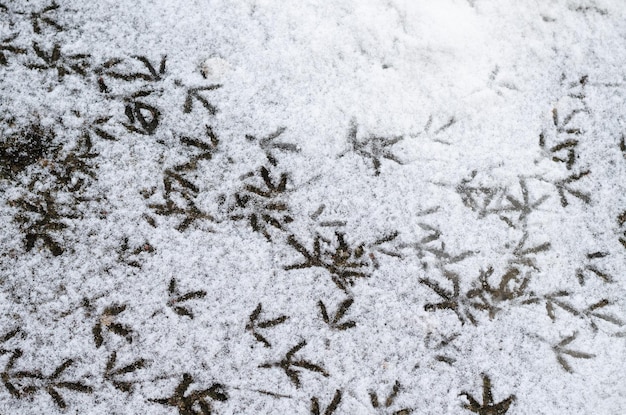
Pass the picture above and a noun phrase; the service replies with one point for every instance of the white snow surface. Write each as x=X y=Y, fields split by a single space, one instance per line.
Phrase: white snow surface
x=456 y=169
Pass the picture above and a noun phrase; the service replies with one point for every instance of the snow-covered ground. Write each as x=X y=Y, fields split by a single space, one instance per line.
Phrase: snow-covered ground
x=313 y=207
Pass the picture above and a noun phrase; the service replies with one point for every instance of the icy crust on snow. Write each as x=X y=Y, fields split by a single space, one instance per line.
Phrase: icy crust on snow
x=312 y=207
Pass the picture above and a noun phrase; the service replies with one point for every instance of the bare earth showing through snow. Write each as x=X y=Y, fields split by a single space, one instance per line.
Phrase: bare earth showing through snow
x=313 y=207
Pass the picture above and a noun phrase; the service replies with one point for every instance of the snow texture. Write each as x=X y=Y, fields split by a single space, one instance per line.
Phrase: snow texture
x=313 y=207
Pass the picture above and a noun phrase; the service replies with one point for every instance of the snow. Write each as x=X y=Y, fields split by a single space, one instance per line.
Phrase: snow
x=408 y=147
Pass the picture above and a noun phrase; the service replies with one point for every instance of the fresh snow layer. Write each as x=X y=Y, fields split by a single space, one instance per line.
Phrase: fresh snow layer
x=313 y=207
